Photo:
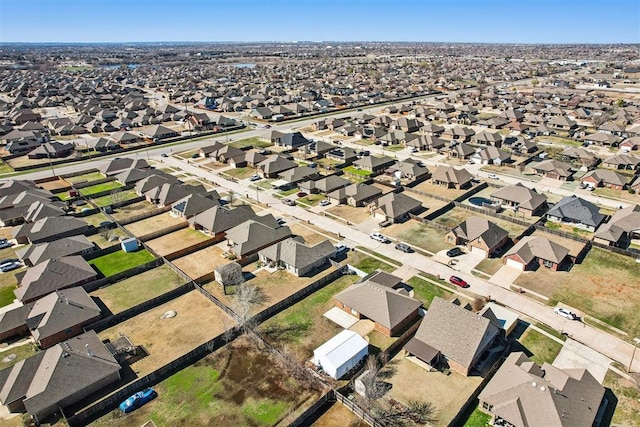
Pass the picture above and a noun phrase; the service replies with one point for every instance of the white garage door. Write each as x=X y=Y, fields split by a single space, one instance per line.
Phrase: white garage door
x=478 y=251
x=514 y=263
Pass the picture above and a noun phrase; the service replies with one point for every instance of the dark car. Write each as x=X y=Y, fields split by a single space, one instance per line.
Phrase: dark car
x=4 y=243
x=301 y=194
x=458 y=282
x=403 y=247
x=137 y=400
x=453 y=252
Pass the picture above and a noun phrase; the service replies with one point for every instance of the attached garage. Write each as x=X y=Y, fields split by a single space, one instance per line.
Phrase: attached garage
x=515 y=263
x=478 y=251
x=340 y=354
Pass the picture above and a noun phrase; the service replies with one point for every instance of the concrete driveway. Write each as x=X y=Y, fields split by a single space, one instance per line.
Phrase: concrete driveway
x=340 y=317
x=505 y=276
x=576 y=355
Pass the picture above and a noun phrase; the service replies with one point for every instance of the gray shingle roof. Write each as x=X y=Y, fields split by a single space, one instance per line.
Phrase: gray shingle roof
x=298 y=254
x=35 y=254
x=475 y=227
x=576 y=209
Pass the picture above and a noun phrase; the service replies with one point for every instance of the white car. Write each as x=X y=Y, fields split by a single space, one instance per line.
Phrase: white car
x=493 y=176
x=565 y=313
x=379 y=237
x=254 y=178
x=325 y=202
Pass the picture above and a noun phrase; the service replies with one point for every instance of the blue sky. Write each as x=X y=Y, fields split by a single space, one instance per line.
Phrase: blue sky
x=492 y=21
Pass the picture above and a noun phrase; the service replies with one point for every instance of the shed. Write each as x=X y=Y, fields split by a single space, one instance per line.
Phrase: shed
x=129 y=245
x=340 y=354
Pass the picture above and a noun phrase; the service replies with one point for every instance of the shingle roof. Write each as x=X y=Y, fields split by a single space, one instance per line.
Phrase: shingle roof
x=253 y=234
x=218 y=218
x=459 y=334
x=298 y=254
x=530 y=247
x=40 y=252
x=523 y=196
x=475 y=227
x=578 y=210
x=450 y=174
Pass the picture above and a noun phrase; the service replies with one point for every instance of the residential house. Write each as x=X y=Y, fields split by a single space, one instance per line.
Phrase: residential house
x=194 y=204
x=622 y=161
x=524 y=394
x=390 y=311
x=459 y=133
x=121 y=164
x=374 y=164
x=490 y=156
x=297 y=175
x=450 y=336
x=297 y=257
x=554 y=169
x=578 y=154
x=531 y=252
x=523 y=200
x=630 y=144
x=461 y=151
x=622 y=228
x=601 y=138
x=395 y=207
x=74 y=245
x=325 y=185
x=427 y=142
x=51 y=150
x=75 y=369
x=292 y=141
x=345 y=155
x=272 y=166
x=51 y=275
x=562 y=123
x=451 y=177
x=479 y=235
x=355 y=195
x=493 y=139
x=576 y=212
x=154 y=180
x=159 y=132
x=246 y=239
x=217 y=220
x=166 y=194
x=49 y=229
x=408 y=170
x=604 y=178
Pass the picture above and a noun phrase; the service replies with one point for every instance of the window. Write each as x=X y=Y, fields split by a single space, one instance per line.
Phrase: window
x=486 y=406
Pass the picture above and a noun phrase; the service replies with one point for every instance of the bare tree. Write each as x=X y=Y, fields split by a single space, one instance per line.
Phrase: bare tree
x=477 y=304
x=117 y=196
x=227 y=335
x=398 y=415
x=599 y=119
x=106 y=233
x=245 y=298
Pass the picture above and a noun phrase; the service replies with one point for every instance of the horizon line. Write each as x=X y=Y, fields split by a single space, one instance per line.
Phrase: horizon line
x=309 y=42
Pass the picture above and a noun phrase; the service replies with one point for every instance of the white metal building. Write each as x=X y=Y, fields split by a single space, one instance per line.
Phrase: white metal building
x=340 y=354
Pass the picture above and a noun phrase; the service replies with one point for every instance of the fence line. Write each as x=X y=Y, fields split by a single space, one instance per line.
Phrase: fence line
x=84 y=184
x=144 y=215
x=162 y=232
x=329 y=396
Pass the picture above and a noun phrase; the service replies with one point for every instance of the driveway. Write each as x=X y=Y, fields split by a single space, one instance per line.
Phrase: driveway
x=340 y=317
x=576 y=355
x=505 y=276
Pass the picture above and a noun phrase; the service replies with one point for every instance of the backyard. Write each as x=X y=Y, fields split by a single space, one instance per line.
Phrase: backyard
x=605 y=285
x=99 y=188
x=20 y=352
x=201 y=263
x=368 y=264
x=131 y=210
x=137 y=289
x=120 y=261
x=165 y=339
x=87 y=177
x=302 y=327
x=237 y=385
x=119 y=196
x=239 y=173
x=439 y=190
x=176 y=241
x=627 y=412
x=154 y=223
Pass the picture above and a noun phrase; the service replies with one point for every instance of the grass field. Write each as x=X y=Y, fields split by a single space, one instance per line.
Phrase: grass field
x=94 y=189
x=420 y=235
x=349 y=213
x=120 y=261
x=627 y=411
x=137 y=289
x=478 y=419
x=544 y=349
x=251 y=142
x=108 y=199
x=236 y=386
x=355 y=171
x=605 y=285
x=427 y=291
x=6 y=295
x=22 y=352
x=91 y=176
x=302 y=327
x=362 y=261
x=490 y=265
x=240 y=173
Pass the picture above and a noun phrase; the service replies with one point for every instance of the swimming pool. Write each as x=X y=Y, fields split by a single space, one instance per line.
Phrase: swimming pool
x=480 y=201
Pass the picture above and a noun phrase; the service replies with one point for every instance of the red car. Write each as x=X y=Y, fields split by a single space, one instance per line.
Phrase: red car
x=301 y=194
x=458 y=282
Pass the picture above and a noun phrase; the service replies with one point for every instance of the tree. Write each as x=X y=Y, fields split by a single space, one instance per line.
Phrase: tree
x=535 y=82
x=246 y=297
x=620 y=103
x=106 y=233
x=117 y=196
x=599 y=119
x=398 y=415
x=477 y=304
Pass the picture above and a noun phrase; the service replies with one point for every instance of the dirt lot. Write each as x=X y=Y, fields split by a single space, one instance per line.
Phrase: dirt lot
x=166 y=339
x=137 y=289
x=176 y=241
x=202 y=262
x=349 y=213
x=447 y=392
x=455 y=216
x=438 y=190
x=54 y=185
x=428 y=202
x=338 y=415
x=132 y=210
x=605 y=285
x=154 y=223
x=418 y=234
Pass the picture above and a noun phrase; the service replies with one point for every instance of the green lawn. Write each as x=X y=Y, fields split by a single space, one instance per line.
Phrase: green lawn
x=369 y=264
x=286 y=193
x=355 y=171
x=396 y=147
x=478 y=419
x=240 y=173
x=6 y=295
x=111 y=185
x=22 y=352
x=426 y=291
x=5 y=168
x=544 y=349
x=120 y=261
x=108 y=199
x=251 y=142
x=627 y=411
x=92 y=176
x=311 y=199
x=137 y=289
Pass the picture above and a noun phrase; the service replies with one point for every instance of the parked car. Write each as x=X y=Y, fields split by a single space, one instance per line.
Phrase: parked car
x=325 y=202
x=164 y=155
x=341 y=248
x=301 y=194
x=4 y=243
x=9 y=265
x=403 y=247
x=137 y=400
x=454 y=252
x=379 y=237
x=195 y=155
x=254 y=178
x=458 y=282
x=289 y=202
x=281 y=221
x=565 y=313
x=492 y=176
